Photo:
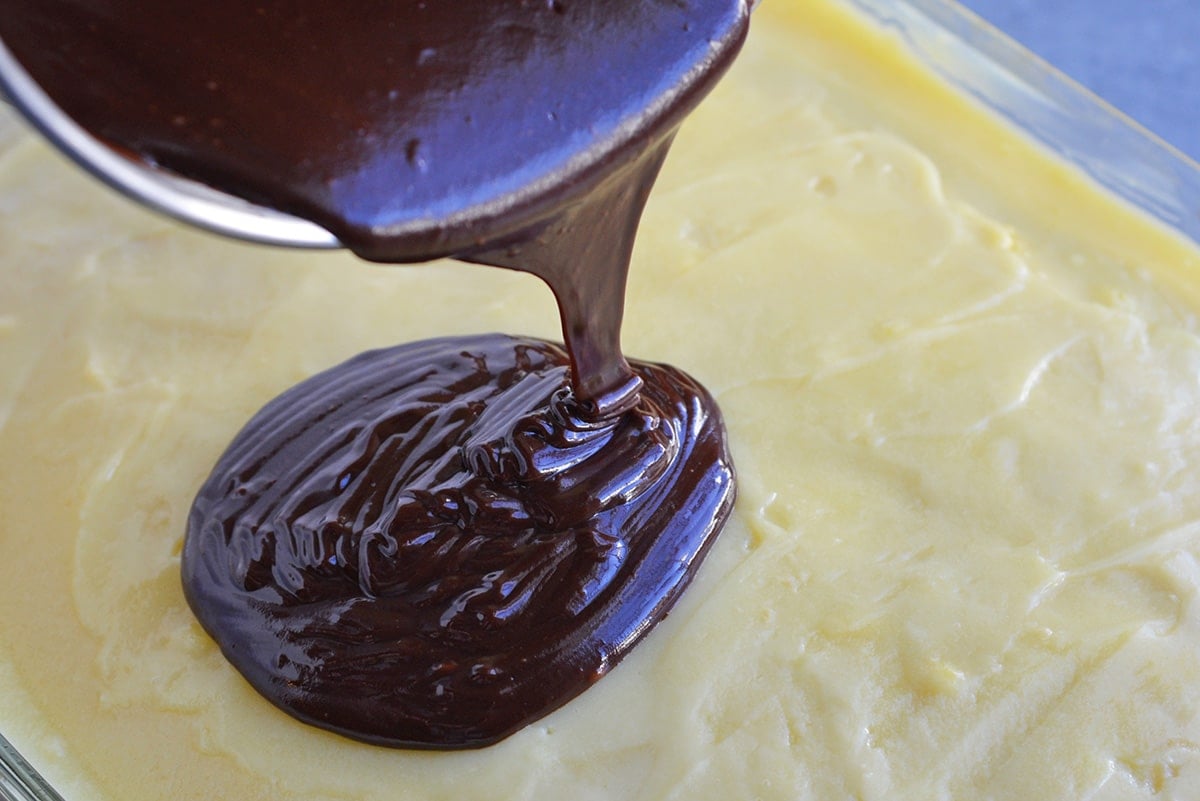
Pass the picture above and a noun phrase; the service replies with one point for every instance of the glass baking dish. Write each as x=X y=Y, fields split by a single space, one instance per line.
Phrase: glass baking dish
x=1000 y=74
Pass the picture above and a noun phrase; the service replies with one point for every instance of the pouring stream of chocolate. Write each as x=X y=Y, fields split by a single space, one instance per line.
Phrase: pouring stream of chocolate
x=431 y=546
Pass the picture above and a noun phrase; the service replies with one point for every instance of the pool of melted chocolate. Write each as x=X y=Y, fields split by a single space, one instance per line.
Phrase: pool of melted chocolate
x=441 y=544
x=433 y=545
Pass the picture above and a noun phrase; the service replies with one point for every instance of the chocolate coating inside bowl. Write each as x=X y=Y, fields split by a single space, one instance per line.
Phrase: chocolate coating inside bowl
x=409 y=128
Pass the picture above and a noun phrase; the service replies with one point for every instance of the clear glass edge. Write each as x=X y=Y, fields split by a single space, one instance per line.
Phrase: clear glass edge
x=19 y=781
x=985 y=64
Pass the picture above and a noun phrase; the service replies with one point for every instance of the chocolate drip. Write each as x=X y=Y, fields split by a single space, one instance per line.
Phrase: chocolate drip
x=433 y=545
x=583 y=255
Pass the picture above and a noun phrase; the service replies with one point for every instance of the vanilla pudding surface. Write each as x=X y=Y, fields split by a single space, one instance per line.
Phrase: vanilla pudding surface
x=961 y=387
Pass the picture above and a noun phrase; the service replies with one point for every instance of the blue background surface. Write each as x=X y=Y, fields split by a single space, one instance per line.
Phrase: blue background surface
x=1142 y=56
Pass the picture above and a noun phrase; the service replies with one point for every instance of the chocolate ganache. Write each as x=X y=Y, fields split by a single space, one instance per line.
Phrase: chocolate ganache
x=435 y=544
x=443 y=545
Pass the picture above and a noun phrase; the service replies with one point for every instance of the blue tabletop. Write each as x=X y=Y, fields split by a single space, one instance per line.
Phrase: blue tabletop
x=1142 y=56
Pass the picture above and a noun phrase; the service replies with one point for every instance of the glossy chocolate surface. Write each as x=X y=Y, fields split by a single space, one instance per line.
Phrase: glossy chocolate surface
x=441 y=546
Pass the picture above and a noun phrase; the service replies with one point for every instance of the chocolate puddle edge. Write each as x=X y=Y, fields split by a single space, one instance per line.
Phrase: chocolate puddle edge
x=447 y=566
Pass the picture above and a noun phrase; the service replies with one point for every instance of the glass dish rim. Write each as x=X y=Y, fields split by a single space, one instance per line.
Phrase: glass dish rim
x=985 y=64
x=1076 y=125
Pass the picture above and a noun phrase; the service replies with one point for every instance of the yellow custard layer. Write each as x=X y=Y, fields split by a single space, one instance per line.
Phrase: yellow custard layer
x=962 y=390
